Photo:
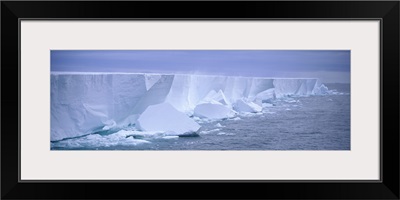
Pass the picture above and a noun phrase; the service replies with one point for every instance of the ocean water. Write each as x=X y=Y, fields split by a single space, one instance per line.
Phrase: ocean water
x=294 y=123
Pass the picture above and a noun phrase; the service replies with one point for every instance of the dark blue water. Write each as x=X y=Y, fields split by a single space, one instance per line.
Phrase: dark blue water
x=296 y=123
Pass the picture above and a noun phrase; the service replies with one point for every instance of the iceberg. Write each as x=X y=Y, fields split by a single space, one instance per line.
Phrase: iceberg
x=216 y=96
x=179 y=93
x=259 y=85
x=165 y=118
x=288 y=87
x=213 y=111
x=151 y=79
x=84 y=103
x=322 y=89
x=87 y=103
x=243 y=106
x=219 y=125
x=154 y=95
x=266 y=95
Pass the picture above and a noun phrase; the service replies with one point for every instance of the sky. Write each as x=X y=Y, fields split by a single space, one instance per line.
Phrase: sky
x=331 y=66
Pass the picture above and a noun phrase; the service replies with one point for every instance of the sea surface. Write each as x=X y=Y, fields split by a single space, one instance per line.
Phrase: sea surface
x=293 y=123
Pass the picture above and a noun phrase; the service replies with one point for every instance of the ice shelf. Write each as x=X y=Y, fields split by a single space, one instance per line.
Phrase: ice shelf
x=85 y=103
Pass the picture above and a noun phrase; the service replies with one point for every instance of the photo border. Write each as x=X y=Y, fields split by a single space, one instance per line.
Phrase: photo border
x=210 y=180
x=14 y=12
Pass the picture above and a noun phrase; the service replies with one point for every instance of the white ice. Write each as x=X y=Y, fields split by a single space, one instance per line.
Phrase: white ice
x=214 y=96
x=164 y=117
x=219 y=125
x=243 y=106
x=86 y=103
x=120 y=138
x=213 y=111
x=210 y=131
x=266 y=95
x=151 y=79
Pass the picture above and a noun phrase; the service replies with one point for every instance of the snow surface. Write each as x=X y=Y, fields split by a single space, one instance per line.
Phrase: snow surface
x=86 y=103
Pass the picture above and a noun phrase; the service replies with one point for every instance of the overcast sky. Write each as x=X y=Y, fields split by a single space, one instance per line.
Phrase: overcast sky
x=330 y=66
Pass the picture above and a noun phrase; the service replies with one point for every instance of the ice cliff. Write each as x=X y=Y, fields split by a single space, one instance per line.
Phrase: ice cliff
x=85 y=103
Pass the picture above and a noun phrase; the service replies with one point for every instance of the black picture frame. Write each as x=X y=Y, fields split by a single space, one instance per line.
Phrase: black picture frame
x=13 y=11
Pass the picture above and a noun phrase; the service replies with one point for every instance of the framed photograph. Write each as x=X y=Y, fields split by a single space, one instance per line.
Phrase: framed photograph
x=217 y=96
